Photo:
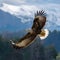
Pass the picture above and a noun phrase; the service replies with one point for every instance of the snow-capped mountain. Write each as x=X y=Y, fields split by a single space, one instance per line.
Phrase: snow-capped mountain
x=25 y=14
x=20 y=11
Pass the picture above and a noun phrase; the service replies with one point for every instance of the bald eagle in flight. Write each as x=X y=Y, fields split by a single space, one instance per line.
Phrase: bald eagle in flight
x=38 y=24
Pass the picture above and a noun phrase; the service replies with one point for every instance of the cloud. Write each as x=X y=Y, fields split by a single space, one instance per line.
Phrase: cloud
x=23 y=10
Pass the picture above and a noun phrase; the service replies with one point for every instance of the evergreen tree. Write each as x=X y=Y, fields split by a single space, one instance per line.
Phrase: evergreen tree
x=38 y=50
x=50 y=52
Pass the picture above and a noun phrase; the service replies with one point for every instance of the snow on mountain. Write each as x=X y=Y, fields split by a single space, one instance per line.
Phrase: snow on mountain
x=26 y=13
x=19 y=10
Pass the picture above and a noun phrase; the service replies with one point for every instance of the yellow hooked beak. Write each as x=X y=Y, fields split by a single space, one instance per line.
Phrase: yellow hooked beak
x=44 y=33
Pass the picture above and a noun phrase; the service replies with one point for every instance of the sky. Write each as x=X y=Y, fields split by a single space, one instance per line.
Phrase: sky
x=18 y=2
x=52 y=8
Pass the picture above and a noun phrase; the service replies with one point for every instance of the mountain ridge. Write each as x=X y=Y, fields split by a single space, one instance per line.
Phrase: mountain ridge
x=11 y=23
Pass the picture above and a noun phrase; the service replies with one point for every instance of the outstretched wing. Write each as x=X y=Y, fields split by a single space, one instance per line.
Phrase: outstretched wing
x=38 y=24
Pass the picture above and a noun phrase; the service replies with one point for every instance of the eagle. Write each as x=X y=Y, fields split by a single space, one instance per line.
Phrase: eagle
x=36 y=29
